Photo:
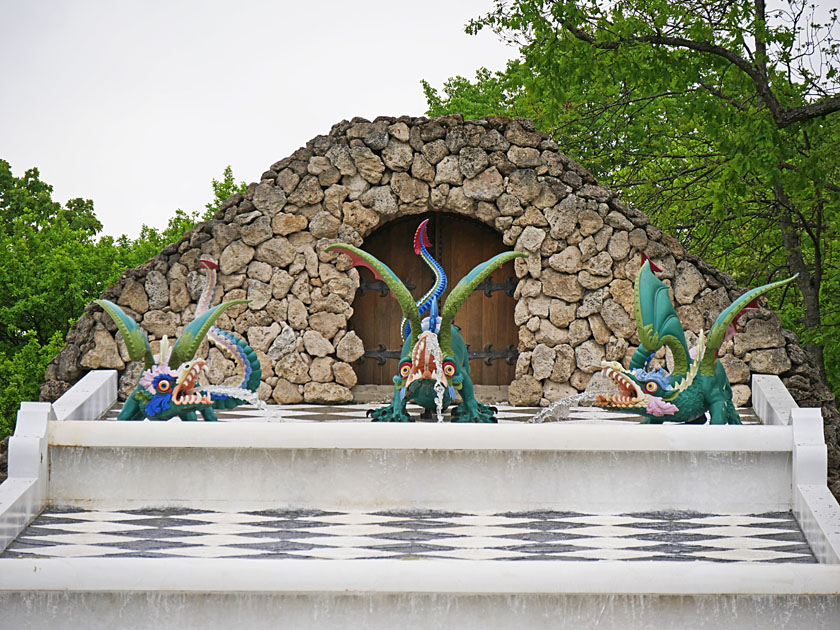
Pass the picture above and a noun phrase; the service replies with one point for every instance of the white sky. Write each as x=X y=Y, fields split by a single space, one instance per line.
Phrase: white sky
x=139 y=105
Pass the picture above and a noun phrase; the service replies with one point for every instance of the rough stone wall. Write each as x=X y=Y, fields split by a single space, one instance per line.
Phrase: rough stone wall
x=574 y=297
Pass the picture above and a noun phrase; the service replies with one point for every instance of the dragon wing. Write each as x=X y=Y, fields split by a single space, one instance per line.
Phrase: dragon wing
x=189 y=341
x=461 y=292
x=726 y=320
x=135 y=340
x=382 y=271
x=656 y=320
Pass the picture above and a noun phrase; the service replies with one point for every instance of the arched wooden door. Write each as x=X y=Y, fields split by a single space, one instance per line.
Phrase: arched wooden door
x=485 y=319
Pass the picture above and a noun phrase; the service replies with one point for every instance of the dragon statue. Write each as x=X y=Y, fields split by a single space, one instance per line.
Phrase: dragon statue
x=698 y=382
x=433 y=362
x=168 y=385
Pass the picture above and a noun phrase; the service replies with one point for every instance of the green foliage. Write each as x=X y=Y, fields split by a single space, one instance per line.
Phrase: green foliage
x=54 y=264
x=703 y=114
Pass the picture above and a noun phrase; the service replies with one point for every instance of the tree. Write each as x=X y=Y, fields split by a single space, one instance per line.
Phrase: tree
x=717 y=117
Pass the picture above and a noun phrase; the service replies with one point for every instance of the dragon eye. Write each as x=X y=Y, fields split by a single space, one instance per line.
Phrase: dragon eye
x=449 y=368
x=405 y=369
x=164 y=386
x=651 y=387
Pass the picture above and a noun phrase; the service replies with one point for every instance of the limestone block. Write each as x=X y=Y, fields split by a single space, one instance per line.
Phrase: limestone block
x=741 y=395
x=617 y=319
x=179 y=297
x=134 y=297
x=523 y=184
x=369 y=165
x=277 y=252
x=157 y=289
x=688 y=283
x=435 y=151
x=408 y=189
x=542 y=361
x=561 y=313
x=235 y=257
x=524 y=157
x=530 y=240
x=324 y=225
x=286 y=393
x=283 y=344
x=380 y=199
x=448 y=171
x=344 y=374
x=557 y=391
x=590 y=281
x=398 y=155
x=600 y=331
x=298 y=316
x=104 y=354
x=271 y=199
x=561 y=285
x=472 y=161
x=160 y=323
x=259 y=271
x=772 y=361
x=509 y=205
x=566 y=261
x=550 y=334
x=580 y=380
x=350 y=348
x=261 y=337
x=328 y=324
x=589 y=355
x=486 y=186
x=321 y=370
x=691 y=317
x=457 y=201
x=759 y=334
x=525 y=391
x=516 y=134
x=736 y=370
x=523 y=364
x=422 y=169
x=259 y=293
x=616 y=349
x=293 y=368
x=326 y=393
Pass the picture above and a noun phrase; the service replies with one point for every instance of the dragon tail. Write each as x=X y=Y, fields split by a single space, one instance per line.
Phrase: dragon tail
x=429 y=301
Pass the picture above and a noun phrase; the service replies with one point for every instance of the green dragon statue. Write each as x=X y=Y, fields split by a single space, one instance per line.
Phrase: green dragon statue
x=698 y=382
x=168 y=385
x=434 y=362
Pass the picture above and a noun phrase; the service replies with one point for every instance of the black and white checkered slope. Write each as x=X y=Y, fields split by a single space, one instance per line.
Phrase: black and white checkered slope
x=311 y=534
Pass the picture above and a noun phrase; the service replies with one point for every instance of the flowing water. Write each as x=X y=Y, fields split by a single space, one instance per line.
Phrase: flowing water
x=561 y=409
x=237 y=392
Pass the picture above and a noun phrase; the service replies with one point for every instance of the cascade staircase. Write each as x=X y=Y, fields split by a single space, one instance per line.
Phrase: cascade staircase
x=279 y=521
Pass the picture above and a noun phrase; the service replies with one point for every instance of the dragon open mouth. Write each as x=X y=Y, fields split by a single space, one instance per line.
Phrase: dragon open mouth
x=630 y=395
x=183 y=393
x=426 y=360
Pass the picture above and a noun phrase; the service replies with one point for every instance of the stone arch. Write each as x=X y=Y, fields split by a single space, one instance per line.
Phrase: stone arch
x=574 y=291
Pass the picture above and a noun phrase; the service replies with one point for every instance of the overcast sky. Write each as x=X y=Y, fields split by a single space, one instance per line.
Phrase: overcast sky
x=139 y=105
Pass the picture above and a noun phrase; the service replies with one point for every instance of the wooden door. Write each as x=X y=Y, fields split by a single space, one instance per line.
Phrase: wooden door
x=485 y=319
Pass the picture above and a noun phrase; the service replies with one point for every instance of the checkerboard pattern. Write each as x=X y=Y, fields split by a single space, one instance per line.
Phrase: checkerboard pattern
x=62 y=532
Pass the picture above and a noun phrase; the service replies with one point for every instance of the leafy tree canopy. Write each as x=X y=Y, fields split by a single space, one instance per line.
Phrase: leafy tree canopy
x=716 y=117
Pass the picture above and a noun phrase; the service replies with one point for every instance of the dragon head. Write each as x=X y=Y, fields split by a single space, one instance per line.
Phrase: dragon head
x=166 y=393
x=167 y=385
x=426 y=372
x=642 y=391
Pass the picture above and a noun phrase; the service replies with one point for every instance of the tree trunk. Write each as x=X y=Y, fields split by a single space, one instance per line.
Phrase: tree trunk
x=808 y=282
